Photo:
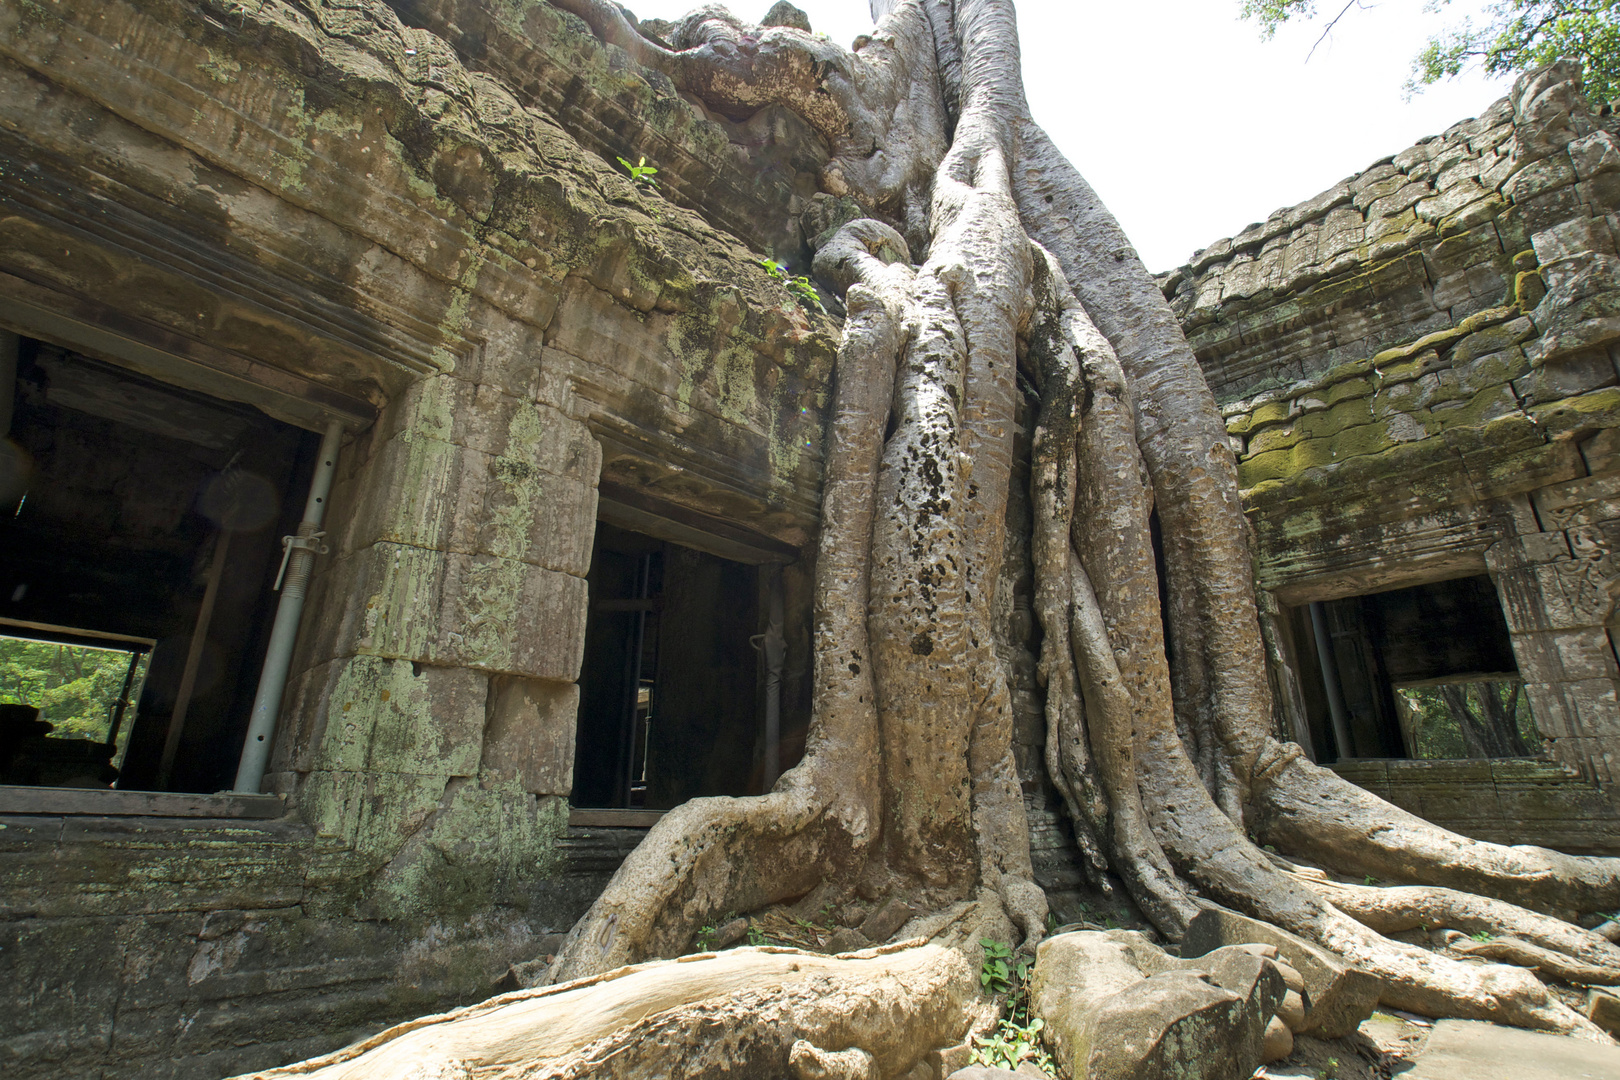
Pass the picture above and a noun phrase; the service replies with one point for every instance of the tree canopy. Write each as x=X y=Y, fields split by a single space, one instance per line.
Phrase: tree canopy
x=1517 y=35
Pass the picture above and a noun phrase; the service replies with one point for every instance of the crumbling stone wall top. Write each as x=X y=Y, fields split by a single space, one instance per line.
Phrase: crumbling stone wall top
x=1417 y=243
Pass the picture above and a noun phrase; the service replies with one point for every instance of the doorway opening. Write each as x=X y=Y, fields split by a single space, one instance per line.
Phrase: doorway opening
x=140 y=528
x=673 y=688
x=1423 y=672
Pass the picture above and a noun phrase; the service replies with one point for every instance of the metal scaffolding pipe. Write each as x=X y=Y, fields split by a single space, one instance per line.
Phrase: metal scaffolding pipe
x=1330 y=681
x=298 y=563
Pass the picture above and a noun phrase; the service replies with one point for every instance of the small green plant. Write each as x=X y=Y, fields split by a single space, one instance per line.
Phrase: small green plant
x=1369 y=880
x=1329 y=1071
x=1482 y=935
x=756 y=936
x=641 y=173
x=995 y=974
x=705 y=939
x=799 y=286
x=1012 y=1044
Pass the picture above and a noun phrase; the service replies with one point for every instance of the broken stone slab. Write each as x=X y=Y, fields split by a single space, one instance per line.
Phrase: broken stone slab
x=1117 y=1007
x=728 y=934
x=1338 y=997
x=886 y=921
x=847 y=940
x=1603 y=1009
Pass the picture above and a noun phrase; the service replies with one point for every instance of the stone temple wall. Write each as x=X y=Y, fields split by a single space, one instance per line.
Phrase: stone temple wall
x=326 y=211
x=1418 y=374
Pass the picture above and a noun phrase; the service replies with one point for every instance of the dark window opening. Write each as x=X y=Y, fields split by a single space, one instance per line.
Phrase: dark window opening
x=1422 y=672
x=144 y=519
x=671 y=700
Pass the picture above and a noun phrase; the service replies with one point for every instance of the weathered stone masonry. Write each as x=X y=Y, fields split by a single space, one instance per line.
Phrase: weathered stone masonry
x=407 y=216
x=1418 y=372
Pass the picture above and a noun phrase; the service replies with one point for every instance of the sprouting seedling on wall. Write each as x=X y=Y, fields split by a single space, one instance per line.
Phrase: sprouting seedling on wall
x=641 y=173
x=799 y=286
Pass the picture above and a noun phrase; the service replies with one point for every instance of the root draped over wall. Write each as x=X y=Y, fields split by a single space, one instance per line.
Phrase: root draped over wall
x=984 y=254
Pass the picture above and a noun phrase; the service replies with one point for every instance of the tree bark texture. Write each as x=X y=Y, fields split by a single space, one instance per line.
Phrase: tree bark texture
x=1163 y=751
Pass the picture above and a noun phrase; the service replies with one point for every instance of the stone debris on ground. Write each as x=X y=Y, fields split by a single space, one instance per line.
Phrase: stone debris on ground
x=1118 y=1007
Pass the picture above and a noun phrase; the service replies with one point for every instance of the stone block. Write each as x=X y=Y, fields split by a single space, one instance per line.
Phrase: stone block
x=1491 y=369
x=529 y=739
x=431 y=494
x=507 y=616
x=1595 y=153
x=1566 y=376
x=534 y=517
x=1403 y=198
x=458 y=610
x=375 y=814
x=1548 y=174
x=415 y=490
x=1582 y=236
x=408 y=717
x=1603 y=1009
x=1601 y=193
x=886 y=921
x=66 y=984
x=1443 y=205
x=1546 y=210
x=303 y=719
x=1119 y=1008
x=1338 y=997
x=1584 y=653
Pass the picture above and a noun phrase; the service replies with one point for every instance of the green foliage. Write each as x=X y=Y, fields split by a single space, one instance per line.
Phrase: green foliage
x=1515 y=36
x=1012 y=1044
x=641 y=174
x=705 y=939
x=1482 y=935
x=1016 y=1038
x=995 y=973
x=1329 y=1071
x=1433 y=727
x=756 y=936
x=75 y=687
x=1369 y=880
x=1523 y=34
x=800 y=286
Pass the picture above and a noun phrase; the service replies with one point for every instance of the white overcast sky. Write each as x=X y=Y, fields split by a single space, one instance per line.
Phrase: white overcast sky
x=1190 y=126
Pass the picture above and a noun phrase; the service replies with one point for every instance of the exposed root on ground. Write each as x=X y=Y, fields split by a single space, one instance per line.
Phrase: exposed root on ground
x=747 y=1012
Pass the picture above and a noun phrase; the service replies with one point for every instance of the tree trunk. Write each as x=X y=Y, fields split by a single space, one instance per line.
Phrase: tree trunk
x=907 y=789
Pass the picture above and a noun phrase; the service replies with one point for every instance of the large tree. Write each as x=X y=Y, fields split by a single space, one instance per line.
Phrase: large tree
x=980 y=253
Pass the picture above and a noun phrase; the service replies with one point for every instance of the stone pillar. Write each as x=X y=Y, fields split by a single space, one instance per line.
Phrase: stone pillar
x=431 y=717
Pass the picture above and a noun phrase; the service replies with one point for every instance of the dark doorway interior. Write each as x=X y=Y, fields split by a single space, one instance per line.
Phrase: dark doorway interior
x=670 y=693
x=1421 y=672
x=147 y=512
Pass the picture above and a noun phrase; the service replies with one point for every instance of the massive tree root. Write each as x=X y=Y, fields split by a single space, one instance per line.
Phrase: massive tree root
x=747 y=1013
x=1162 y=751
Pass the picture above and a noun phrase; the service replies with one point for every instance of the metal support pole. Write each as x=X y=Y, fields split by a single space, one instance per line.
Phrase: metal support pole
x=1330 y=681
x=298 y=563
